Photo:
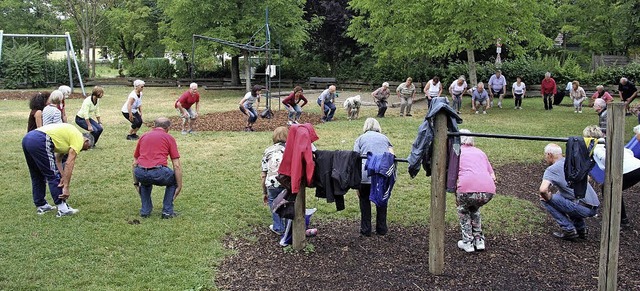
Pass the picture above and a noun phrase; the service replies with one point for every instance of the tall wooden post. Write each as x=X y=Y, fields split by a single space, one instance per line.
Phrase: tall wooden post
x=610 y=235
x=438 y=195
x=299 y=226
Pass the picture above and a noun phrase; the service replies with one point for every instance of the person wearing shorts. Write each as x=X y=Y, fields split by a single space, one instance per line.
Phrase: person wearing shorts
x=497 y=86
x=184 y=106
x=480 y=98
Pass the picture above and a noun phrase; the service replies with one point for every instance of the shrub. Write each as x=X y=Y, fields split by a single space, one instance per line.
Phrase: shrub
x=57 y=71
x=139 y=69
x=23 y=67
x=152 y=67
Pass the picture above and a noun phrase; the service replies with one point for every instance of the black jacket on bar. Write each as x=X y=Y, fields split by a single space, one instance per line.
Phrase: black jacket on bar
x=335 y=173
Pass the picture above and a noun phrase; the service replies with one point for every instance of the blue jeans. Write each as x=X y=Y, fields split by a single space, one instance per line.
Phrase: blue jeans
x=329 y=110
x=278 y=224
x=38 y=151
x=568 y=214
x=296 y=111
x=251 y=112
x=97 y=128
x=161 y=176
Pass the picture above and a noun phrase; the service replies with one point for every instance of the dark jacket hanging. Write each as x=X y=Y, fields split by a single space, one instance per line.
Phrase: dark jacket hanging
x=577 y=164
x=336 y=172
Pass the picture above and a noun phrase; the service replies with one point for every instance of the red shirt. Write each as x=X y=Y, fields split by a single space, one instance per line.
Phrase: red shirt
x=297 y=160
x=187 y=99
x=548 y=86
x=154 y=147
x=291 y=100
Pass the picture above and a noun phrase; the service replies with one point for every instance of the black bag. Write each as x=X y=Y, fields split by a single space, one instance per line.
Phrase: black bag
x=283 y=205
x=577 y=164
x=266 y=113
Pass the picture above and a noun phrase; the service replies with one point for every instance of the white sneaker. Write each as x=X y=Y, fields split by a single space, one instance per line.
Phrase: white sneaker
x=40 y=210
x=520 y=107
x=579 y=111
x=184 y=132
x=466 y=246
x=289 y=122
x=499 y=105
x=484 y=112
x=476 y=112
x=575 y=111
x=479 y=244
x=70 y=211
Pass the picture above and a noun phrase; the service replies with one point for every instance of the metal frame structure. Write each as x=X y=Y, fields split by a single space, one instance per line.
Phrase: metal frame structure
x=69 y=49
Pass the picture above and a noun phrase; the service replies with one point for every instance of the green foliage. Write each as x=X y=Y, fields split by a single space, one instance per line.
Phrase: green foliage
x=57 y=71
x=23 y=66
x=152 y=67
x=133 y=28
x=303 y=67
x=612 y=75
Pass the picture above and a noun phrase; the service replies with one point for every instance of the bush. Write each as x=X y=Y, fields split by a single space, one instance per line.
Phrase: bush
x=57 y=71
x=23 y=67
x=152 y=68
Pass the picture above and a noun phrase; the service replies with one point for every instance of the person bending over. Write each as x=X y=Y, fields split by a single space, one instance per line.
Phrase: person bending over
x=246 y=106
x=184 y=106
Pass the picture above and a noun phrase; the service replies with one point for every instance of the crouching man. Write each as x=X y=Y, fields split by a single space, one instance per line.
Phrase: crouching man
x=150 y=168
x=563 y=206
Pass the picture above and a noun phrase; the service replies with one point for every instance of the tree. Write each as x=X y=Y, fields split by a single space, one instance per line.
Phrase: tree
x=133 y=27
x=24 y=16
x=232 y=20
x=415 y=28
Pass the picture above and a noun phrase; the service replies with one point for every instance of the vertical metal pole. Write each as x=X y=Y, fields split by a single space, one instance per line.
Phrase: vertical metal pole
x=66 y=41
x=438 y=195
x=299 y=225
x=75 y=60
x=193 y=55
x=610 y=234
x=1 y=37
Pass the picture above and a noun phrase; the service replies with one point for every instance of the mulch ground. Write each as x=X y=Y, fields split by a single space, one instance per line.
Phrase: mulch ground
x=236 y=121
x=27 y=94
x=343 y=260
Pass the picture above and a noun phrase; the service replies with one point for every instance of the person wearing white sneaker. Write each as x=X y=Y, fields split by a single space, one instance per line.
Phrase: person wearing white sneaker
x=476 y=187
x=479 y=98
x=184 y=106
x=43 y=150
x=577 y=95
x=271 y=188
x=497 y=86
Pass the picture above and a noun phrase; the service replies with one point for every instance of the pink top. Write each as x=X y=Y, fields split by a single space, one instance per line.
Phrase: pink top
x=606 y=97
x=474 y=174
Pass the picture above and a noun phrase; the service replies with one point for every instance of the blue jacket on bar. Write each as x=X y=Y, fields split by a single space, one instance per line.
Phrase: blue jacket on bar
x=382 y=170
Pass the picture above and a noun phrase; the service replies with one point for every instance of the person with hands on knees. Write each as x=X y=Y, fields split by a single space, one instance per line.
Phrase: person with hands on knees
x=380 y=96
x=132 y=109
x=91 y=107
x=43 y=149
x=246 y=106
x=291 y=103
x=271 y=160
x=327 y=100
x=497 y=86
x=433 y=89
x=184 y=106
x=479 y=98
x=456 y=90
x=406 y=93
x=150 y=168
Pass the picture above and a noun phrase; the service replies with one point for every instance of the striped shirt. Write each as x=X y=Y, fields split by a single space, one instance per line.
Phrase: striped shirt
x=51 y=114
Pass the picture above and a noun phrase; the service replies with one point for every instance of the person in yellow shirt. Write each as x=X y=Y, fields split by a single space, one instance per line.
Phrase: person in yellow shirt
x=91 y=107
x=43 y=149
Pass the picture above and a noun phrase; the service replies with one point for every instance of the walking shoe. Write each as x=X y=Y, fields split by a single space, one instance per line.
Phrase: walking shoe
x=401 y=114
x=566 y=235
x=466 y=246
x=579 y=111
x=289 y=122
x=246 y=129
x=274 y=230
x=145 y=215
x=40 y=210
x=130 y=137
x=70 y=211
x=476 y=112
x=191 y=131
x=520 y=107
x=478 y=242
x=582 y=233
x=135 y=136
x=409 y=115
x=184 y=132
x=575 y=111
x=169 y=215
x=500 y=105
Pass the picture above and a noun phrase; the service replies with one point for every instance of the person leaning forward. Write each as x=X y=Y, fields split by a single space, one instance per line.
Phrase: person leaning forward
x=150 y=167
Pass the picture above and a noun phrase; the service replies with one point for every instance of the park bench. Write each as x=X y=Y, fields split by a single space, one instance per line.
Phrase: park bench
x=320 y=82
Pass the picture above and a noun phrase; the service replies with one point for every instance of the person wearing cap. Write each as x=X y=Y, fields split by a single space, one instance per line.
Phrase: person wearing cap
x=184 y=106
x=132 y=109
x=380 y=96
x=246 y=106
x=43 y=150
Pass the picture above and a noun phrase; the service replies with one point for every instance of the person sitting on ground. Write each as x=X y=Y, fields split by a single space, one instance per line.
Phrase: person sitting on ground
x=433 y=89
x=563 y=206
x=476 y=187
x=352 y=104
x=601 y=93
x=43 y=150
x=380 y=96
x=132 y=109
x=91 y=107
x=548 y=90
x=627 y=91
x=184 y=106
x=66 y=92
x=51 y=114
x=578 y=96
x=630 y=165
x=246 y=106
x=271 y=188
x=406 y=93
x=150 y=168
x=372 y=140
x=601 y=108
x=456 y=90
x=292 y=104
x=37 y=103
x=497 y=86
x=326 y=101
x=479 y=98
x=518 y=90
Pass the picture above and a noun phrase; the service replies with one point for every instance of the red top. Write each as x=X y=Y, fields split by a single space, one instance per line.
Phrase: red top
x=154 y=147
x=291 y=100
x=548 y=86
x=297 y=161
x=187 y=99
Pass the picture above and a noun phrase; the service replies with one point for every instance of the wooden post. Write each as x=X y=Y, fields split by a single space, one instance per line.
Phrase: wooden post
x=299 y=226
x=438 y=195
x=610 y=235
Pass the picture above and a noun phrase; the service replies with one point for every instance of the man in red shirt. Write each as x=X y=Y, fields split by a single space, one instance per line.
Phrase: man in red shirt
x=150 y=167
x=184 y=106
x=548 y=90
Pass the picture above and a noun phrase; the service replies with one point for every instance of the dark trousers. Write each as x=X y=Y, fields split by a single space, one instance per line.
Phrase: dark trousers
x=518 y=98
x=97 y=128
x=365 y=213
x=382 y=107
x=137 y=119
x=548 y=101
x=38 y=151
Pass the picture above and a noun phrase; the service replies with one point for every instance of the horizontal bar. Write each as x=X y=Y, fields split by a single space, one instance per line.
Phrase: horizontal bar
x=32 y=35
x=510 y=136
x=396 y=159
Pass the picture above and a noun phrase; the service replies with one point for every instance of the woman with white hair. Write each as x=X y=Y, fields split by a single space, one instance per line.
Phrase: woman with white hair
x=548 y=89
x=380 y=96
x=373 y=141
x=66 y=92
x=51 y=114
x=601 y=94
x=132 y=109
x=456 y=90
x=476 y=187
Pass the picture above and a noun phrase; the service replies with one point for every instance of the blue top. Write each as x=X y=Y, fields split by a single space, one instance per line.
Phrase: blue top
x=480 y=96
x=555 y=174
x=497 y=83
x=328 y=97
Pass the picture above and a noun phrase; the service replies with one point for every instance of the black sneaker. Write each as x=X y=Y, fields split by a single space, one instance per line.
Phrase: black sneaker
x=409 y=115
x=582 y=233
x=566 y=235
x=132 y=137
x=169 y=216
x=624 y=222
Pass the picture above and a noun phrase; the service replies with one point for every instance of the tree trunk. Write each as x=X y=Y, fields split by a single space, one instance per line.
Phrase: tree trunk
x=471 y=62
x=93 y=60
x=247 y=70
x=235 y=71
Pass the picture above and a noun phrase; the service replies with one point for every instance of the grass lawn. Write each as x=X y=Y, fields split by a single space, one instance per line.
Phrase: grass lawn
x=99 y=249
